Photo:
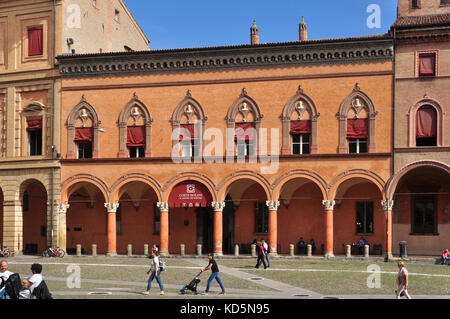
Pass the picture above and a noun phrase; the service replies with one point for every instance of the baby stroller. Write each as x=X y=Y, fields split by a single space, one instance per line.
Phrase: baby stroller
x=192 y=286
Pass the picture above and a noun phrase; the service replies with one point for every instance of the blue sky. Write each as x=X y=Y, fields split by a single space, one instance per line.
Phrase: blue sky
x=199 y=23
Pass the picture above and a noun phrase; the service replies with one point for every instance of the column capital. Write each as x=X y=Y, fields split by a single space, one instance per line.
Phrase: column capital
x=272 y=204
x=62 y=208
x=387 y=204
x=218 y=206
x=112 y=207
x=329 y=204
x=164 y=207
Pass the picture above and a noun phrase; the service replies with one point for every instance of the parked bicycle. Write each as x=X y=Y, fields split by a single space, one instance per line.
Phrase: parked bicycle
x=5 y=252
x=54 y=252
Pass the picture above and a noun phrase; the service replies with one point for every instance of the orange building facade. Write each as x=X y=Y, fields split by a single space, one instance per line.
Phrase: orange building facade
x=288 y=140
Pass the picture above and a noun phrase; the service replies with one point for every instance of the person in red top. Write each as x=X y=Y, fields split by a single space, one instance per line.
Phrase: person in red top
x=445 y=257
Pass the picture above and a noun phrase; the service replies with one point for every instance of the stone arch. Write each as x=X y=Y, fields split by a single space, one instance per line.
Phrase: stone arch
x=67 y=187
x=74 y=115
x=230 y=179
x=391 y=185
x=289 y=109
x=412 y=120
x=277 y=186
x=135 y=109
x=349 y=104
x=206 y=181
x=135 y=177
x=355 y=174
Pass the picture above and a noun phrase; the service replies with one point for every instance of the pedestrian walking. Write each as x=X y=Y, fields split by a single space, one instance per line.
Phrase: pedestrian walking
x=215 y=274
x=402 y=281
x=266 y=251
x=261 y=255
x=156 y=273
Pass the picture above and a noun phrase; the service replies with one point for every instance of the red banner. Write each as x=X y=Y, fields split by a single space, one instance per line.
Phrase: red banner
x=187 y=132
x=427 y=64
x=358 y=128
x=34 y=123
x=426 y=122
x=190 y=194
x=136 y=136
x=245 y=131
x=301 y=127
x=84 y=135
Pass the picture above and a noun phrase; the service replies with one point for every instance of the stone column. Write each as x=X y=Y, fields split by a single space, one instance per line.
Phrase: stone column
x=273 y=235
x=112 y=232
x=218 y=227
x=387 y=206
x=329 y=244
x=13 y=226
x=164 y=228
x=62 y=229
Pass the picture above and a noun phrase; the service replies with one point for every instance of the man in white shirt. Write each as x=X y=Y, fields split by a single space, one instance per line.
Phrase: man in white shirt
x=266 y=250
x=4 y=275
x=31 y=283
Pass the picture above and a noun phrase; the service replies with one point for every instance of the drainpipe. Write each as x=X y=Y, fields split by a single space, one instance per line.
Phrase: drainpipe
x=52 y=180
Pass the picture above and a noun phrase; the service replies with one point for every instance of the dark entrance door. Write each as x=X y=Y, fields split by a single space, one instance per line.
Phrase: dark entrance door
x=205 y=228
x=228 y=226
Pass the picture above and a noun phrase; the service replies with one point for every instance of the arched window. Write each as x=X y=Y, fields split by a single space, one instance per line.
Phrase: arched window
x=135 y=125
x=357 y=123
x=188 y=122
x=299 y=125
x=426 y=123
x=244 y=119
x=83 y=125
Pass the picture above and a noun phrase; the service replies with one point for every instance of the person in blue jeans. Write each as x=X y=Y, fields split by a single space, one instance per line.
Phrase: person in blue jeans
x=155 y=274
x=215 y=274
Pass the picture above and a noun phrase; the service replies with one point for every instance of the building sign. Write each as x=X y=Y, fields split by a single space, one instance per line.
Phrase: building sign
x=190 y=194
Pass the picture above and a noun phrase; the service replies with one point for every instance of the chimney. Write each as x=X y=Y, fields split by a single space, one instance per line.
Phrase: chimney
x=254 y=34
x=303 y=30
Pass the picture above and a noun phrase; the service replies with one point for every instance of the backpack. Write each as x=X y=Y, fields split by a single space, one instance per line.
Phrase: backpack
x=42 y=292
x=162 y=265
x=13 y=286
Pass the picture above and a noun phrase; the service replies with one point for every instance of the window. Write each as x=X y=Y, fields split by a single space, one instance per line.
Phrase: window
x=34 y=129
x=35 y=143
x=357 y=135
x=43 y=231
x=415 y=4
x=427 y=64
x=445 y=2
x=426 y=132
x=83 y=139
x=189 y=148
x=364 y=217
x=300 y=144
x=35 y=40
x=424 y=215
x=25 y=202
x=245 y=148
x=84 y=150
x=156 y=220
x=117 y=15
x=261 y=218
x=137 y=152
x=357 y=146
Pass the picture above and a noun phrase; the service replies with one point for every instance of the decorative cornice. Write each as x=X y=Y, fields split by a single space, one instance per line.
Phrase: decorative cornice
x=317 y=52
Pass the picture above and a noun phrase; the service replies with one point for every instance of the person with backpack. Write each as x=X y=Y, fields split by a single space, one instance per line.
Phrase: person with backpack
x=215 y=274
x=31 y=283
x=156 y=273
x=261 y=255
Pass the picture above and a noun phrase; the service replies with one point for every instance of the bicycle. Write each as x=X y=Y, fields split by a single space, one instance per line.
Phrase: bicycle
x=54 y=252
x=5 y=252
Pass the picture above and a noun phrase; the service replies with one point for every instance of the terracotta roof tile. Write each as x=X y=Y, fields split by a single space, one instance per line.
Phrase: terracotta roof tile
x=435 y=19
